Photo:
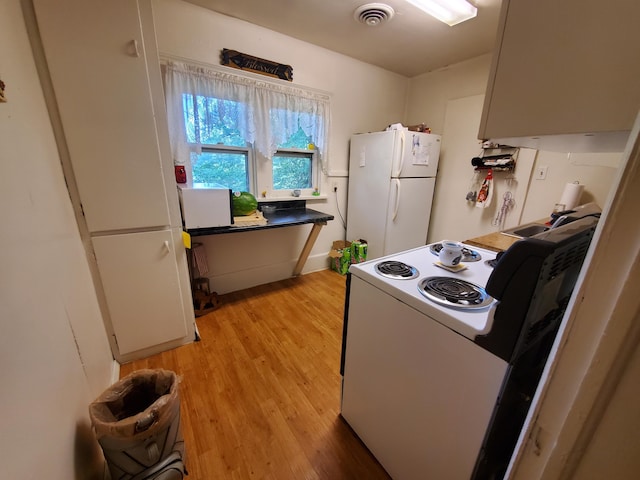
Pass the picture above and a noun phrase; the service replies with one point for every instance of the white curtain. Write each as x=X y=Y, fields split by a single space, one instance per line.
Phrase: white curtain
x=272 y=113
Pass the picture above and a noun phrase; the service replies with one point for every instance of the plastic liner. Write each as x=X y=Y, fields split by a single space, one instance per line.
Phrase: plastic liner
x=137 y=423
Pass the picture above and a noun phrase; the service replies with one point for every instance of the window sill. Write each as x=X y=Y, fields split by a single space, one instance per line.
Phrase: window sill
x=291 y=197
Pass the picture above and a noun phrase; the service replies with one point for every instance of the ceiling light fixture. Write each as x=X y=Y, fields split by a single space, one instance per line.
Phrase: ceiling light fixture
x=450 y=12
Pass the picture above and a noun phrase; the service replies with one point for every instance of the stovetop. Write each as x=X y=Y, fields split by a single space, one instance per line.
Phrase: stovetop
x=469 y=322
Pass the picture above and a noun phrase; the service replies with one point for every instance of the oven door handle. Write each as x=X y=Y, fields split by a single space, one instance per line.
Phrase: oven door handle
x=397 y=202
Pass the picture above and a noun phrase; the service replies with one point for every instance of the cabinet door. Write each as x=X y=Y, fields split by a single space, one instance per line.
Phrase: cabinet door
x=95 y=52
x=566 y=67
x=141 y=282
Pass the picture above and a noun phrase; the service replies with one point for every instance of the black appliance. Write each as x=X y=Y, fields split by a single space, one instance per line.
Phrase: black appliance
x=532 y=283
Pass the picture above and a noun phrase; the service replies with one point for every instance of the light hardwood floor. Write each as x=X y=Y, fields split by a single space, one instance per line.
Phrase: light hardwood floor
x=260 y=393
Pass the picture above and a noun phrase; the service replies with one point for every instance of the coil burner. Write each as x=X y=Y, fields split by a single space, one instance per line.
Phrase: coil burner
x=454 y=292
x=396 y=270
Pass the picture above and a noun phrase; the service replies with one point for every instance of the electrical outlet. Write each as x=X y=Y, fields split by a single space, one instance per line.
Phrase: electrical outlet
x=541 y=173
x=334 y=186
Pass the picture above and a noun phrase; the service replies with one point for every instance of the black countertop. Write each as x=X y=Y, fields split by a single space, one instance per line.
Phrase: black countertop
x=287 y=214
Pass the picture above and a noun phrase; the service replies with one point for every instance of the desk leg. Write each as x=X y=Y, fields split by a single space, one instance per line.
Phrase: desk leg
x=311 y=239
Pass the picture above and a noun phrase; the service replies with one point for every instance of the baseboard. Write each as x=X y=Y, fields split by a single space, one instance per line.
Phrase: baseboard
x=115 y=372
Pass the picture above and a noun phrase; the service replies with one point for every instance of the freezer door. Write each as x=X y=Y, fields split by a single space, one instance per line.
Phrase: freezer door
x=408 y=214
x=420 y=155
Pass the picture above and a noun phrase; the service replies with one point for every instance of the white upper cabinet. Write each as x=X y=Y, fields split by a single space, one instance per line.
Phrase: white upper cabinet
x=567 y=68
x=97 y=54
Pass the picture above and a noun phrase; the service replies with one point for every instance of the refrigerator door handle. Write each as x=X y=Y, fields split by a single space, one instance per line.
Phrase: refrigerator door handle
x=397 y=202
x=400 y=156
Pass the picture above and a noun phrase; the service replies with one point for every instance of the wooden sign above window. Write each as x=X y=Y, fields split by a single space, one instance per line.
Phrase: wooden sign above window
x=242 y=61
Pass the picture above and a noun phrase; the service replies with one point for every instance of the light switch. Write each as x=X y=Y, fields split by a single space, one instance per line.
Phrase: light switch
x=541 y=173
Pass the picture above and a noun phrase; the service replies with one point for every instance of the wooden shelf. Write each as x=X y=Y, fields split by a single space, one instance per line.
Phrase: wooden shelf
x=499 y=158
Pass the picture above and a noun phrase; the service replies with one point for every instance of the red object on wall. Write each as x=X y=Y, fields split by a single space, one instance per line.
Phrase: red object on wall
x=181 y=174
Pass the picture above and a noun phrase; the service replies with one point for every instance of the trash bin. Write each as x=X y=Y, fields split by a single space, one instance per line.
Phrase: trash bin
x=137 y=423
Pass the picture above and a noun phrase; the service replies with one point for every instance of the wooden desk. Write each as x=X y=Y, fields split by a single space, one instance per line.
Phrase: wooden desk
x=287 y=214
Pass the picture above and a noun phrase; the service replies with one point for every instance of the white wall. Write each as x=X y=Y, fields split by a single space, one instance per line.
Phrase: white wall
x=430 y=95
x=430 y=92
x=454 y=217
x=54 y=351
x=364 y=98
x=596 y=171
x=447 y=101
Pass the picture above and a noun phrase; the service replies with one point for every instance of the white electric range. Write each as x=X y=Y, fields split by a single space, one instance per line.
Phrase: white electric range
x=438 y=386
x=465 y=317
x=416 y=388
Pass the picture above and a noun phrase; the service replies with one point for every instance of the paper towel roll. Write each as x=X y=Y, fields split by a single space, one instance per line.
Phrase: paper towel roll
x=571 y=195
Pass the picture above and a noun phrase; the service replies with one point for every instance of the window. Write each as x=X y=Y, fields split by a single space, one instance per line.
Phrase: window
x=245 y=134
x=219 y=155
x=294 y=165
x=293 y=170
x=221 y=167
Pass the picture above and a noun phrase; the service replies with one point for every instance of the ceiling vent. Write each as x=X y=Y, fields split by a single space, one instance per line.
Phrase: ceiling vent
x=373 y=14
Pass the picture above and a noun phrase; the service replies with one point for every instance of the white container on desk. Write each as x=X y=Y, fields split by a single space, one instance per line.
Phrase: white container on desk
x=205 y=207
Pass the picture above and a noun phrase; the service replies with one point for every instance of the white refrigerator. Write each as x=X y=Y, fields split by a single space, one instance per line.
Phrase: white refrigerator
x=392 y=176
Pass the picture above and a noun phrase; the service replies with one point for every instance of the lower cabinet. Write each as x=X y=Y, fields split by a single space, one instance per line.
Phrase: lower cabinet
x=146 y=287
